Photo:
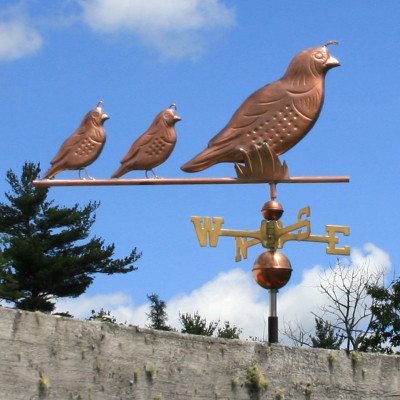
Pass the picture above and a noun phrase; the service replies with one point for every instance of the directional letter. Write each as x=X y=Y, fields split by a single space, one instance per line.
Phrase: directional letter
x=333 y=240
x=213 y=232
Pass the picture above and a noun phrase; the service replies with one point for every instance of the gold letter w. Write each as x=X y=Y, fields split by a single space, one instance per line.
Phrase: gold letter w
x=207 y=229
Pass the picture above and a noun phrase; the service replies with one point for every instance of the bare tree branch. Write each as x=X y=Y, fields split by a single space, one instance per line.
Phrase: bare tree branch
x=296 y=332
x=349 y=305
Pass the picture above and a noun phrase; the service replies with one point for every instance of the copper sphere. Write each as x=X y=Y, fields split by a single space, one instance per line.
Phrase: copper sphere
x=272 y=270
x=272 y=210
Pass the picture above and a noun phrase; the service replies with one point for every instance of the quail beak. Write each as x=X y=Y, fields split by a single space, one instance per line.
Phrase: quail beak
x=177 y=118
x=332 y=62
x=104 y=117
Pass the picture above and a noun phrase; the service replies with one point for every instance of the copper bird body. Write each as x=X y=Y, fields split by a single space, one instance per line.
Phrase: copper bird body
x=83 y=147
x=279 y=114
x=153 y=147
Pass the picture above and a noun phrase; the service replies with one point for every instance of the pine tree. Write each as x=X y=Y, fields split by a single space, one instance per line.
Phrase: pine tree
x=44 y=251
x=158 y=316
x=325 y=336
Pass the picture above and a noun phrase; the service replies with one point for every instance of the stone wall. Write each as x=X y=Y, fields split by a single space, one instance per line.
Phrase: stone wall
x=45 y=357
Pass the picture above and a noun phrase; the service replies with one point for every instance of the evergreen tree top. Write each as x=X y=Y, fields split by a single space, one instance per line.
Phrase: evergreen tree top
x=45 y=249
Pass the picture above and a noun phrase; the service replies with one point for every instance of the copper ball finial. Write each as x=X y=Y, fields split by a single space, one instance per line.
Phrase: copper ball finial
x=272 y=270
x=272 y=210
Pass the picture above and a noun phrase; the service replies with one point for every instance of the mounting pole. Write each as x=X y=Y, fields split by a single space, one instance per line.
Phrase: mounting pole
x=273 y=317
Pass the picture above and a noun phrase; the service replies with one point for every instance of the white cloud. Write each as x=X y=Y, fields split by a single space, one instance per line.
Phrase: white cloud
x=120 y=305
x=175 y=28
x=234 y=296
x=17 y=40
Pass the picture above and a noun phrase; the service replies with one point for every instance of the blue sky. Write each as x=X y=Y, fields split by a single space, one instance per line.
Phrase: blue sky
x=57 y=60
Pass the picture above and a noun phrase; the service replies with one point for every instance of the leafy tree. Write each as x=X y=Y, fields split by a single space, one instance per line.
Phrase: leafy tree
x=325 y=336
x=43 y=252
x=228 y=331
x=196 y=325
x=385 y=335
x=158 y=316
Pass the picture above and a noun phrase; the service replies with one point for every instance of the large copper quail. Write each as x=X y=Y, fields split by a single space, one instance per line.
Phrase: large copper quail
x=153 y=147
x=279 y=114
x=83 y=147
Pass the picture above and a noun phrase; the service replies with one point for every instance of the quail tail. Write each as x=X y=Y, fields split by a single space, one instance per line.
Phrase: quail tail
x=54 y=170
x=122 y=170
x=209 y=157
x=195 y=165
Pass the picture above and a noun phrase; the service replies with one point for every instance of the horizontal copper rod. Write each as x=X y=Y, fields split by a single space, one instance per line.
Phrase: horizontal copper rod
x=184 y=181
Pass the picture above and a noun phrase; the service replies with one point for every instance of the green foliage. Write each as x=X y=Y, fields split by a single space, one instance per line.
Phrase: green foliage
x=196 y=325
x=356 y=357
x=325 y=336
x=309 y=389
x=385 y=327
x=44 y=251
x=158 y=316
x=44 y=382
x=255 y=379
x=8 y=283
x=151 y=370
x=235 y=381
x=280 y=394
x=332 y=358
x=103 y=316
x=229 y=332
x=193 y=324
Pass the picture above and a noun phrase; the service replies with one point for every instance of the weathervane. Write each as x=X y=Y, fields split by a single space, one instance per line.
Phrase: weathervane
x=272 y=234
x=269 y=122
x=272 y=269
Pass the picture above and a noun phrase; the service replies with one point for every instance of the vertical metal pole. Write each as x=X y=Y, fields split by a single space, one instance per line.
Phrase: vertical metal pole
x=272 y=190
x=273 y=317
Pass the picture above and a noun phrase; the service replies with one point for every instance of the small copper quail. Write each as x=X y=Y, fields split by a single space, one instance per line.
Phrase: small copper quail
x=154 y=146
x=83 y=147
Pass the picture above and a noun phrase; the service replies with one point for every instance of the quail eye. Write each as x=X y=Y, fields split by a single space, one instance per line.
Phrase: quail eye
x=319 y=56
x=168 y=116
x=96 y=114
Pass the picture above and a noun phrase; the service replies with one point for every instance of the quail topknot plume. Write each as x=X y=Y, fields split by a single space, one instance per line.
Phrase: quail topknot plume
x=279 y=114
x=84 y=146
x=154 y=146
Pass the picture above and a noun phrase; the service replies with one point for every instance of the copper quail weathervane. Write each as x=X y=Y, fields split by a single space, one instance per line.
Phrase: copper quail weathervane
x=269 y=123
